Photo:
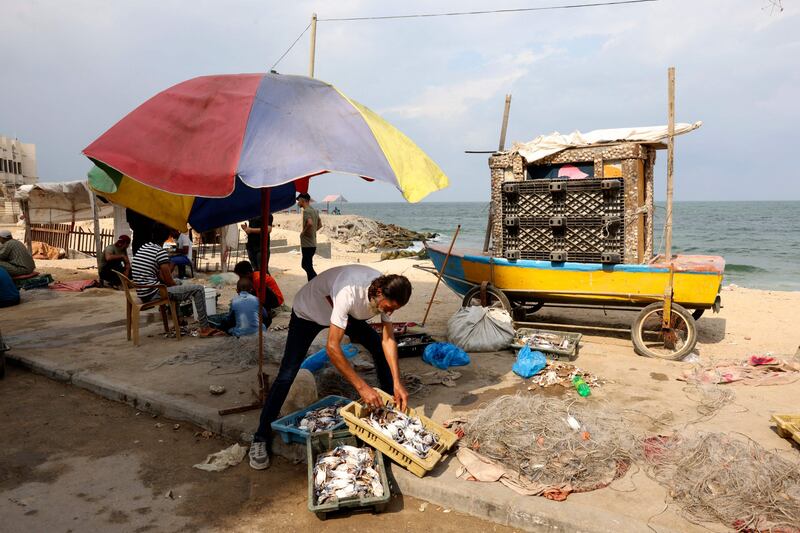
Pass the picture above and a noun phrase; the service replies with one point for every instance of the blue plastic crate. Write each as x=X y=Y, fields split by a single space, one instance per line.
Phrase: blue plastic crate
x=287 y=426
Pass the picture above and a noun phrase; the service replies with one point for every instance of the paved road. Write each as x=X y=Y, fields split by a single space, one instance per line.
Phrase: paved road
x=73 y=462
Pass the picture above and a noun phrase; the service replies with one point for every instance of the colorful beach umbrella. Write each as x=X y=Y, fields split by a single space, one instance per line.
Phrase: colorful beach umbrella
x=198 y=151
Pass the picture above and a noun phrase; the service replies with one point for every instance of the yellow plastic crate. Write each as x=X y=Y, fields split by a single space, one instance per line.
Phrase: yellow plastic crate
x=353 y=415
x=788 y=426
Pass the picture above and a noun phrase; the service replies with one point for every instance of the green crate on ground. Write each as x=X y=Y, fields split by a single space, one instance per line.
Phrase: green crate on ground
x=559 y=353
x=321 y=442
x=788 y=426
x=353 y=415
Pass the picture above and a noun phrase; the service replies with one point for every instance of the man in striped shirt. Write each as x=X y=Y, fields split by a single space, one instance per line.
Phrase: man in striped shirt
x=151 y=267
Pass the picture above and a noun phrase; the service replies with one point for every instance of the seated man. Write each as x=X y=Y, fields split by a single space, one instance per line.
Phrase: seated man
x=183 y=253
x=114 y=258
x=9 y=294
x=273 y=298
x=151 y=267
x=14 y=256
x=242 y=319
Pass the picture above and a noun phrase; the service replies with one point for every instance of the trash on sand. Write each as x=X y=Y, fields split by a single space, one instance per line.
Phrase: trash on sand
x=169 y=495
x=423 y=507
x=204 y=434
x=216 y=390
x=557 y=373
x=443 y=355
x=176 y=427
x=529 y=362
x=408 y=431
x=159 y=425
x=346 y=471
x=230 y=456
x=756 y=370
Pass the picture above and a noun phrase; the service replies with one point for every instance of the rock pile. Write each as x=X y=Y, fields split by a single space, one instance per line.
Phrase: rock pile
x=367 y=235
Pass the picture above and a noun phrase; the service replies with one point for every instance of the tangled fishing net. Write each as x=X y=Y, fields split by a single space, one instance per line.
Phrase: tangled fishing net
x=726 y=478
x=552 y=441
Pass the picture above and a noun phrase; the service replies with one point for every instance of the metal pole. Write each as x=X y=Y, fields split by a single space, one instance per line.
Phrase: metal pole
x=313 y=44
x=439 y=279
x=670 y=159
x=262 y=289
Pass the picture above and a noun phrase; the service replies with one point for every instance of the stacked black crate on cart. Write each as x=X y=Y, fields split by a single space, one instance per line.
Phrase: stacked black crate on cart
x=581 y=220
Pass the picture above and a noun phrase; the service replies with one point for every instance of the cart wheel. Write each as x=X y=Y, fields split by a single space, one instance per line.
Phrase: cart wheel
x=675 y=343
x=697 y=313
x=494 y=297
x=522 y=310
x=322 y=516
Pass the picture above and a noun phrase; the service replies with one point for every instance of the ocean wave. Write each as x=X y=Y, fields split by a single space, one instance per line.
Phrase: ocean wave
x=748 y=269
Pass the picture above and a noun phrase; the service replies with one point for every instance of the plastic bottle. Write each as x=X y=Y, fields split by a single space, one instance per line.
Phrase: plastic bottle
x=581 y=386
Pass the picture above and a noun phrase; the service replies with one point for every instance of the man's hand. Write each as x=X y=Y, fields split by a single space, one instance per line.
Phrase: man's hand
x=370 y=396
x=400 y=396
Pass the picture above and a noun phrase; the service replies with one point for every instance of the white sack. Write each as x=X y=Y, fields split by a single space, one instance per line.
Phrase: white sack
x=480 y=329
x=217 y=462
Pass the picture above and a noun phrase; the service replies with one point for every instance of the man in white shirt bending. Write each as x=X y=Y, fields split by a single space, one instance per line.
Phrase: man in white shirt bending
x=342 y=299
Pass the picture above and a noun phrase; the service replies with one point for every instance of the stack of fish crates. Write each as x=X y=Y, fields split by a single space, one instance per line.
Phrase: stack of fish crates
x=564 y=220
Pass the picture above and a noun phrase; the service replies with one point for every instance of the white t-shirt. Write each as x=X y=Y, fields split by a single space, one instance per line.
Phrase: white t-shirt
x=184 y=240
x=347 y=287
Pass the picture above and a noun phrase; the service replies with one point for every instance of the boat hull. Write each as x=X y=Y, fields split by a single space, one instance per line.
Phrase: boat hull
x=696 y=282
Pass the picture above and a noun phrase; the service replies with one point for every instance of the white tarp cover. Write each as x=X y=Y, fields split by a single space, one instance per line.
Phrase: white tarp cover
x=546 y=145
x=60 y=203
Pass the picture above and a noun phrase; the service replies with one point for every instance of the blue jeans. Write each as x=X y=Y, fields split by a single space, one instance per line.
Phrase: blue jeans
x=301 y=334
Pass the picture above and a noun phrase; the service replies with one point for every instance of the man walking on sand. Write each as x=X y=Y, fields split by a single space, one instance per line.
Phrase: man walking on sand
x=310 y=225
x=342 y=299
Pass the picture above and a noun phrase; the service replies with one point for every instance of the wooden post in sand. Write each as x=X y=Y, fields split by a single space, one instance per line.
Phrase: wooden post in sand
x=670 y=159
x=313 y=45
x=26 y=213
x=501 y=147
x=98 y=244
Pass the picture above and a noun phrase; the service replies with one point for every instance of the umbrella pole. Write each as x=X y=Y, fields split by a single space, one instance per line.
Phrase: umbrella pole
x=262 y=292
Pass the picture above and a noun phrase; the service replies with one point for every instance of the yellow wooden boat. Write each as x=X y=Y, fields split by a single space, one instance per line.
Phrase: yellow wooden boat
x=523 y=286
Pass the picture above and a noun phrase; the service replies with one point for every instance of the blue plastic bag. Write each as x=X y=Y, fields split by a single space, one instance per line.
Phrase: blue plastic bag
x=320 y=359
x=529 y=362
x=444 y=355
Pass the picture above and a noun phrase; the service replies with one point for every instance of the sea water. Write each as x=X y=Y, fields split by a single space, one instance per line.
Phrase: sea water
x=760 y=241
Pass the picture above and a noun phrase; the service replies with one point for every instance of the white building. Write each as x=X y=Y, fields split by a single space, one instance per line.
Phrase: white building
x=17 y=167
x=17 y=162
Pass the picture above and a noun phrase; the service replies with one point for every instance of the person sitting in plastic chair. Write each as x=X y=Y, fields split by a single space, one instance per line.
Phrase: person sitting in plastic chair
x=182 y=256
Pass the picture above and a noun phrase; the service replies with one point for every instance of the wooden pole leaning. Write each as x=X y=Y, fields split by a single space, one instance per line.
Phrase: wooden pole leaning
x=441 y=273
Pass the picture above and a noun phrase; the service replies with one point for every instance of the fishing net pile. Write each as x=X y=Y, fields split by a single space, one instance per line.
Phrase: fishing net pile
x=553 y=442
x=716 y=477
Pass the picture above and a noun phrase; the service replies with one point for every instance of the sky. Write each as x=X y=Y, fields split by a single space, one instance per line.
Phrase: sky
x=72 y=69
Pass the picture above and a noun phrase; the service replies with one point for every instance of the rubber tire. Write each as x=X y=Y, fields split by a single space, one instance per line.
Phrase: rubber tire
x=638 y=342
x=697 y=313
x=492 y=292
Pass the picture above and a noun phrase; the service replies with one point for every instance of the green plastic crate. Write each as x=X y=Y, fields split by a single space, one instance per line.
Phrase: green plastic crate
x=324 y=441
